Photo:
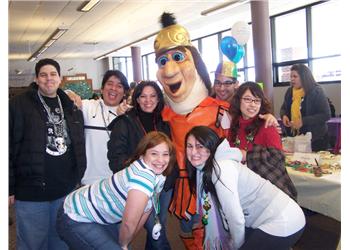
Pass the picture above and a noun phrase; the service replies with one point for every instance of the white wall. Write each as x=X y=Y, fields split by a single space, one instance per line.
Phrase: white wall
x=332 y=91
x=94 y=70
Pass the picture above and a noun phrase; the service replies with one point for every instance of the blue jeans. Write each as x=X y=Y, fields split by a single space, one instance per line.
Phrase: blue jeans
x=82 y=235
x=36 y=225
x=162 y=242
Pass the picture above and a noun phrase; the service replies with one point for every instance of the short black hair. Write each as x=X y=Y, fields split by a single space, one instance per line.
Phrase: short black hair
x=118 y=74
x=47 y=61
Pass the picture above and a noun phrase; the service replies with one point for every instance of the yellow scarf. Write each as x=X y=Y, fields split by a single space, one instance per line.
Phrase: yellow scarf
x=297 y=94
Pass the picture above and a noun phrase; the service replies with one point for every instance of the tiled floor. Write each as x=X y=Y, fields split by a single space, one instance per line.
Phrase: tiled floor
x=321 y=233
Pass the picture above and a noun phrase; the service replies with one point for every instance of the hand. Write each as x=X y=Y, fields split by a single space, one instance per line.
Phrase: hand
x=123 y=107
x=270 y=120
x=11 y=200
x=296 y=124
x=244 y=155
x=286 y=121
x=74 y=97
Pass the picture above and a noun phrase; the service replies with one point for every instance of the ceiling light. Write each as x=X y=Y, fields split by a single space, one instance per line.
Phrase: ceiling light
x=222 y=7
x=52 y=38
x=88 y=5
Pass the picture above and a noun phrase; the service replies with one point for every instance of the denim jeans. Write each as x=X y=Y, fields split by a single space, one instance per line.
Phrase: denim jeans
x=162 y=242
x=36 y=225
x=82 y=235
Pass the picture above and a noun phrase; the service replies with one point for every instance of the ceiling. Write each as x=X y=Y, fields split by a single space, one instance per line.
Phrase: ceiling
x=112 y=24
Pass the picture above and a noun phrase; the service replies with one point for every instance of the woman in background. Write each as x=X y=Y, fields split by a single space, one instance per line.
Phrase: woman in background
x=305 y=108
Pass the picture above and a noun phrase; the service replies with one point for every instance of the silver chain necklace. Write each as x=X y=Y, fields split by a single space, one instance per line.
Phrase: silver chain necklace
x=58 y=125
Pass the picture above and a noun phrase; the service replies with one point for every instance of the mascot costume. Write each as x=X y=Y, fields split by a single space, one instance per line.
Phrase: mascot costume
x=187 y=87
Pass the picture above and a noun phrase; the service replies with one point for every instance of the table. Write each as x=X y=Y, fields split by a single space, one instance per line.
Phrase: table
x=319 y=194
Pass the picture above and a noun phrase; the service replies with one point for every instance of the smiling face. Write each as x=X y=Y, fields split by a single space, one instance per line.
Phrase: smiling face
x=157 y=158
x=148 y=99
x=112 y=91
x=196 y=153
x=48 y=80
x=250 y=105
x=177 y=73
x=225 y=87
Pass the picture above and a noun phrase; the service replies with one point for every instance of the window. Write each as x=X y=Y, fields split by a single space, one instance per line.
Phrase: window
x=326 y=29
x=124 y=64
x=210 y=54
x=291 y=36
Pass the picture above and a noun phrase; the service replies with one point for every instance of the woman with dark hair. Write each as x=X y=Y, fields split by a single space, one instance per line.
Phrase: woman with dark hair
x=305 y=108
x=239 y=209
x=261 y=146
x=109 y=213
x=127 y=131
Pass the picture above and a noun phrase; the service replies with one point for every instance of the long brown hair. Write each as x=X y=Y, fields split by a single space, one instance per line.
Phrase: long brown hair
x=307 y=80
x=236 y=113
x=150 y=140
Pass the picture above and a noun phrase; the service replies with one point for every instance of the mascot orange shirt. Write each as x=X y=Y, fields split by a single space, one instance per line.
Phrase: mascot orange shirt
x=186 y=84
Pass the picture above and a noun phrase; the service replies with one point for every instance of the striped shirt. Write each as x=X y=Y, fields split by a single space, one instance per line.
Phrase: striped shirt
x=104 y=201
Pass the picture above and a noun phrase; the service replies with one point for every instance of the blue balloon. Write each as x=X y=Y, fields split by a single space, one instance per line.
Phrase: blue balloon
x=239 y=55
x=229 y=47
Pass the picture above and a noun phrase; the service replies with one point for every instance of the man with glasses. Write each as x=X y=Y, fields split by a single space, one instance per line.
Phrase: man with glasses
x=225 y=83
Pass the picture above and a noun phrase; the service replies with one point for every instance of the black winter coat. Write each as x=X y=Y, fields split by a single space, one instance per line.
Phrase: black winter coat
x=126 y=134
x=314 y=110
x=27 y=141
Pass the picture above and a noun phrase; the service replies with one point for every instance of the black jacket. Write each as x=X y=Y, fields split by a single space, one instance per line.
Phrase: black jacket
x=27 y=142
x=314 y=110
x=126 y=134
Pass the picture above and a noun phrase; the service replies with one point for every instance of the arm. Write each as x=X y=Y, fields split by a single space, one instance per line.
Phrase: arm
x=118 y=145
x=74 y=97
x=321 y=111
x=227 y=191
x=133 y=217
x=16 y=134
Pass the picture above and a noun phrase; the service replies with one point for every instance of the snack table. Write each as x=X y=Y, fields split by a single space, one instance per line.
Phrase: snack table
x=319 y=194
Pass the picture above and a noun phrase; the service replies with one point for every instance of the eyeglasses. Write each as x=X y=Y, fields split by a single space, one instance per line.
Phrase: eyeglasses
x=225 y=83
x=250 y=100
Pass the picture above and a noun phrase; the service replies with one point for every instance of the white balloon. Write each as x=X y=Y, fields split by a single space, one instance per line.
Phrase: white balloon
x=241 y=32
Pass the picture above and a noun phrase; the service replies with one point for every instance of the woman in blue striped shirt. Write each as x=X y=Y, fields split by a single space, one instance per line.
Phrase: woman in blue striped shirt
x=109 y=213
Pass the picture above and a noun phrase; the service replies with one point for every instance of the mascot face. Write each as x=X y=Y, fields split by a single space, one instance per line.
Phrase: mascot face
x=177 y=73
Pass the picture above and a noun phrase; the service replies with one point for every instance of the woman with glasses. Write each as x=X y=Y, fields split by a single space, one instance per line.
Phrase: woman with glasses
x=239 y=209
x=261 y=146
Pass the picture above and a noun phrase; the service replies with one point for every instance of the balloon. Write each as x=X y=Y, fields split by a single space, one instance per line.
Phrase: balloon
x=241 y=32
x=229 y=47
x=240 y=53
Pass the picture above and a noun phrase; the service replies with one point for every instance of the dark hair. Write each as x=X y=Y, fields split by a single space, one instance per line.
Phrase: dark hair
x=137 y=92
x=150 y=140
x=47 y=61
x=235 y=109
x=210 y=140
x=118 y=74
x=307 y=80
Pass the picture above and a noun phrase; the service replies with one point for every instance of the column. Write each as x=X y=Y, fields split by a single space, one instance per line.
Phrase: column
x=262 y=46
x=136 y=63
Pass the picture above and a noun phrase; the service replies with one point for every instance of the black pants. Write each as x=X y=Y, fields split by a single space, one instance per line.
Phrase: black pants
x=257 y=239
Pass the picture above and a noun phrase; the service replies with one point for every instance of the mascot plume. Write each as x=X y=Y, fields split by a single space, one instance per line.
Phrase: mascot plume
x=187 y=86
